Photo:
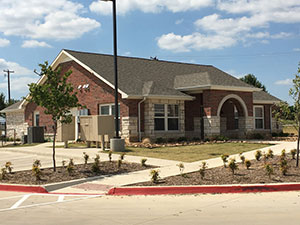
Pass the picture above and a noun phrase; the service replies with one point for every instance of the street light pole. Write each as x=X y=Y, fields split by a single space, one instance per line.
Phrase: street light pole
x=117 y=144
x=116 y=69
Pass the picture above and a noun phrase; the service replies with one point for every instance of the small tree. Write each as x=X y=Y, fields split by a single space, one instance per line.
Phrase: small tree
x=56 y=96
x=284 y=111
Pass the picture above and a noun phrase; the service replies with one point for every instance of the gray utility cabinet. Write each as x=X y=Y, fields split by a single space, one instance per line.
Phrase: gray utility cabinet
x=35 y=135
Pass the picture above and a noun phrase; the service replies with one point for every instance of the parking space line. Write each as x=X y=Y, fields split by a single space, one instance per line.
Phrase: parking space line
x=18 y=203
x=60 y=198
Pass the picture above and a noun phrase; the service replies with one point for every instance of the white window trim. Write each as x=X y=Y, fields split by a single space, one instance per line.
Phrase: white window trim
x=263 y=117
x=110 y=109
x=165 y=117
x=34 y=117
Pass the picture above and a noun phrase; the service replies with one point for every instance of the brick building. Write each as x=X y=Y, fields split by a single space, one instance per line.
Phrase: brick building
x=158 y=98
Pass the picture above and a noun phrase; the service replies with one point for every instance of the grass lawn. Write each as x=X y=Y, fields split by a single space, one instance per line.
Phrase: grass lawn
x=18 y=145
x=194 y=152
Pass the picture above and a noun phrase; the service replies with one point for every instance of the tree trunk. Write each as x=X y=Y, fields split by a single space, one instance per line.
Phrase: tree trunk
x=298 y=140
x=53 y=155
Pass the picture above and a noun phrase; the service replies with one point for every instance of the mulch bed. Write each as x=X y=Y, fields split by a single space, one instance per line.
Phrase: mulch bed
x=220 y=175
x=80 y=171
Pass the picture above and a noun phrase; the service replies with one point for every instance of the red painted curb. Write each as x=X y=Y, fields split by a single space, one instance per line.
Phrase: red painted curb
x=22 y=188
x=202 y=189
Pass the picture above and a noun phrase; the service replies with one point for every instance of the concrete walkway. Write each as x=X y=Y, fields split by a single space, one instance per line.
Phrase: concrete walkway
x=167 y=167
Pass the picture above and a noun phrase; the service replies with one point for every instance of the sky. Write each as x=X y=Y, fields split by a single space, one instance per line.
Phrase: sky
x=240 y=37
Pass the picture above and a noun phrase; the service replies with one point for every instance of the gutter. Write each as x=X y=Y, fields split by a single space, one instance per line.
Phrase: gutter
x=139 y=118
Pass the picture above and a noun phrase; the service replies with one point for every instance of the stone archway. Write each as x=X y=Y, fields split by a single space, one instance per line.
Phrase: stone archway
x=232 y=112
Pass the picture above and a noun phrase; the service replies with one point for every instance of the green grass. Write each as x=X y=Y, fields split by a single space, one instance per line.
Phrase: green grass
x=194 y=152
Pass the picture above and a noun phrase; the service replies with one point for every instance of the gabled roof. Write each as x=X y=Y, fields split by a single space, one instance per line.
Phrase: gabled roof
x=168 y=78
x=12 y=108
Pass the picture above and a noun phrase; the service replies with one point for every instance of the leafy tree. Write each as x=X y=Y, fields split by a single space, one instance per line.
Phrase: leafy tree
x=2 y=102
x=284 y=111
x=56 y=96
x=252 y=80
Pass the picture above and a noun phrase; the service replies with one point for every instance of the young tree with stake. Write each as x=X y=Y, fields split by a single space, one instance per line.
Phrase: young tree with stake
x=56 y=96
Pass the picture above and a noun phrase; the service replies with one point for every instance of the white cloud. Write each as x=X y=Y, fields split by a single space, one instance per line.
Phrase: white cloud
x=55 y=19
x=18 y=69
x=35 y=44
x=4 y=42
x=19 y=86
x=197 y=41
x=296 y=49
x=149 y=6
x=284 y=82
x=177 y=22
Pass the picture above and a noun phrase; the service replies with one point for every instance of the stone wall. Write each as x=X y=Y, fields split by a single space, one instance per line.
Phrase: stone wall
x=130 y=128
x=149 y=119
x=16 y=121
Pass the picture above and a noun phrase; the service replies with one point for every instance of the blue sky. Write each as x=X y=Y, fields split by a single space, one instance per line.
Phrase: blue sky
x=261 y=37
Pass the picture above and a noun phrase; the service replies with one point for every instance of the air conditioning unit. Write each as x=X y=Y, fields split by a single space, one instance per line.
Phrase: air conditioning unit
x=35 y=135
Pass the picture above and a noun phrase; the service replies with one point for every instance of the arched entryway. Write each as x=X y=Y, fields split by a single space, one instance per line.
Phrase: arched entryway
x=232 y=112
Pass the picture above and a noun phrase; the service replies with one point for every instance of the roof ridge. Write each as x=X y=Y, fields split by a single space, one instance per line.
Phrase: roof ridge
x=139 y=58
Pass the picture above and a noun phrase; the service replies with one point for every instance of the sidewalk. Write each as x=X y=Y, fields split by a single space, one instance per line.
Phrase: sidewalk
x=104 y=183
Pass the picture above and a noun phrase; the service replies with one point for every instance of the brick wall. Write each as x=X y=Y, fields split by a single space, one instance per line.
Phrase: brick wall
x=97 y=93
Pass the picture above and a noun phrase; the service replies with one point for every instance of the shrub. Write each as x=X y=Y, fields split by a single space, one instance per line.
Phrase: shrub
x=283 y=155
x=122 y=156
x=119 y=163
x=281 y=134
x=154 y=176
x=293 y=153
x=160 y=140
x=171 y=140
x=181 y=168
x=182 y=139
x=269 y=169
x=202 y=170
x=3 y=174
x=143 y=162
x=86 y=158
x=242 y=158
x=224 y=159
x=110 y=155
x=274 y=134
x=283 y=165
x=96 y=164
x=8 y=167
x=220 y=138
x=258 y=155
x=70 y=167
x=270 y=154
x=196 y=139
x=63 y=163
x=232 y=166
x=36 y=169
x=247 y=163
x=257 y=136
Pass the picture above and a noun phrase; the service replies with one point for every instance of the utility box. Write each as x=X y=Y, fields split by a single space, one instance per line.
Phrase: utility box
x=92 y=128
x=35 y=135
x=66 y=132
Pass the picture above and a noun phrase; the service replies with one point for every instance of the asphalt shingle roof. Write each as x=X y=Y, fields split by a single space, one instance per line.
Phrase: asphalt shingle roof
x=12 y=107
x=264 y=96
x=136 y=74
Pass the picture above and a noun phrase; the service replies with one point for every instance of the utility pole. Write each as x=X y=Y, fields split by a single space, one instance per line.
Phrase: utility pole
x=8 y=82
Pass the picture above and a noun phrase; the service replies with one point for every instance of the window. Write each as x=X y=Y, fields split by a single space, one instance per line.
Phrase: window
x=166 y=117
x=109 y=109
x=259 y=117
x=36 y=119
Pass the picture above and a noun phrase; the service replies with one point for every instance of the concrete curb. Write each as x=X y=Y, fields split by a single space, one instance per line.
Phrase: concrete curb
x=222 y=189
x=23 y=188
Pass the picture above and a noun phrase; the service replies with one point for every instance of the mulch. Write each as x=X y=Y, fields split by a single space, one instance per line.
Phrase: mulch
x=220 y=175
x=80 y=171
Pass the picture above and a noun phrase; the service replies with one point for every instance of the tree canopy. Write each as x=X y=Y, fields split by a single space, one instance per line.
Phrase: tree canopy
x=56 y=96
x=252 y=80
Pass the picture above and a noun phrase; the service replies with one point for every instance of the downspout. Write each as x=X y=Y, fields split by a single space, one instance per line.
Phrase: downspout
x=139 y=118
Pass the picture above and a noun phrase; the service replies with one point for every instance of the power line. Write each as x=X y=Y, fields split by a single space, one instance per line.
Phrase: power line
x=8 y=81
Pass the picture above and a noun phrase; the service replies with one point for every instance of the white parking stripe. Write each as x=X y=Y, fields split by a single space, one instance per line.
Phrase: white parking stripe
x=18 y=203
x=60 y=198
x=46 y=203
